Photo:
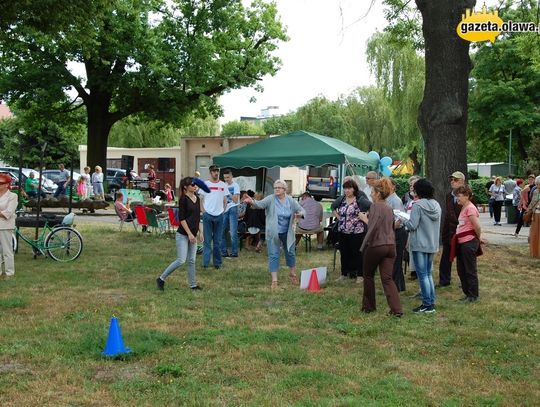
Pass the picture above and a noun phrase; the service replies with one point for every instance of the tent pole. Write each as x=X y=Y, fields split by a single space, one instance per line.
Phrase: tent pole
x=264 y=182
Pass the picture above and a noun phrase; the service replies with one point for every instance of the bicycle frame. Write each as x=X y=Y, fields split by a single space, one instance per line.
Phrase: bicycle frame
x=35 y=244
x=60 y=242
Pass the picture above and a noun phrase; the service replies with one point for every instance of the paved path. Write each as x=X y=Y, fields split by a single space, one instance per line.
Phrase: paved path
x=502 y=235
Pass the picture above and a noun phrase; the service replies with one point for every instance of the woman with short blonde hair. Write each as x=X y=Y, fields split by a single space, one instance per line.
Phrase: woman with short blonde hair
x=281 y=210
x=497 y=193
x=97 y=183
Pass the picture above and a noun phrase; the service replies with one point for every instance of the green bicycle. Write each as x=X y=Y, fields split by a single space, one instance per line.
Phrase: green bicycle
x=57 y=239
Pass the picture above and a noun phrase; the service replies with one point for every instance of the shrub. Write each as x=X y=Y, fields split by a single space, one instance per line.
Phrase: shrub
x=478 y=187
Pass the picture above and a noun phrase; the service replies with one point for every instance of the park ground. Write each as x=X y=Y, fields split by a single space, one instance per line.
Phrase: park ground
x=238 y=343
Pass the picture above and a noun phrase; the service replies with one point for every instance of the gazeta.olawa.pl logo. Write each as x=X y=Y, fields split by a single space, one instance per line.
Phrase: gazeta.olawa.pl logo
x=487 y=25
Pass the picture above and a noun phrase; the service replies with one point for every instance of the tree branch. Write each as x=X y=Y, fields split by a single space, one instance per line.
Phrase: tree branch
x=119 y=67
x=76 y=84
x=68 y=110
x=361 y=18
x=403 y=7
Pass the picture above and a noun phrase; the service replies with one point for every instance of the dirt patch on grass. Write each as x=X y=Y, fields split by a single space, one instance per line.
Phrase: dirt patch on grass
x=110 y=295
x=113 y=372
x=11 y=367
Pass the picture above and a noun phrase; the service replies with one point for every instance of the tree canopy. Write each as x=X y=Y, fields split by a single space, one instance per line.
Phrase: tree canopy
x=241 y=128
x=505 y=91
x=23 y=137
x=163 y=59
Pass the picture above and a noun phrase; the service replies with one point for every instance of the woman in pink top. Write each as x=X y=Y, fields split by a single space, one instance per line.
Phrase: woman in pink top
x=124 y=211
x=467 y=244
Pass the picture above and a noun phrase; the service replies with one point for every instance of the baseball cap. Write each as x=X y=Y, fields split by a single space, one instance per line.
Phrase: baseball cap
x=457 y=175
x=213 y=167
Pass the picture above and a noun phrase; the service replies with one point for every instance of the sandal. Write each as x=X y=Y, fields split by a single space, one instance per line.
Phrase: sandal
x=294 y=278
x=274 y=285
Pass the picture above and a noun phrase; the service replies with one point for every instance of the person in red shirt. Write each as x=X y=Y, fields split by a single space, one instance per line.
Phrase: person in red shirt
x=466 y=244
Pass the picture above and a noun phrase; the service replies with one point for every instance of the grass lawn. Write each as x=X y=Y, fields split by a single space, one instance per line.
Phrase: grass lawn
x=238 y=343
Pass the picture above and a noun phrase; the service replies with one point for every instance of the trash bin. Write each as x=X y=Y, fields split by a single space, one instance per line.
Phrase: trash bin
x=511 y=212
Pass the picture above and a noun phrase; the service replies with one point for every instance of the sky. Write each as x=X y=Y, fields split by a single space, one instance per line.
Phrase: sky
x=324 y=56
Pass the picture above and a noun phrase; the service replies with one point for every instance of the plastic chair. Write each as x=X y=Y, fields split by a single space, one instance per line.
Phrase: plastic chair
x=173 y=218
x=142 y=219
x=122 y=221
x=155 y=222
x=135 y=195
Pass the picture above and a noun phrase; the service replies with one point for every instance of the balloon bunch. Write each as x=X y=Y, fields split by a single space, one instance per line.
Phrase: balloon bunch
x=384 y=163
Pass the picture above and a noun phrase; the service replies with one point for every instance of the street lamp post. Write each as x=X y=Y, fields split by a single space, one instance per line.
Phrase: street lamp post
x=510 y=153
x=21 y=151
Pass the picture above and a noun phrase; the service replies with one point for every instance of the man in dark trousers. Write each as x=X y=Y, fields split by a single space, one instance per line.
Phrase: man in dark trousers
x=449 y=226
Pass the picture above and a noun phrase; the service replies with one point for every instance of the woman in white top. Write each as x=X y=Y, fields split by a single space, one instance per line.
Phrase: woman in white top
x=8 y=206
x=497 y=193
x=97 y=183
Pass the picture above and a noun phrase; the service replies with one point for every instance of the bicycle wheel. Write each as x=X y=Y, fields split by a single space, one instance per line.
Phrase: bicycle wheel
x=14 y=240
x=64 y=244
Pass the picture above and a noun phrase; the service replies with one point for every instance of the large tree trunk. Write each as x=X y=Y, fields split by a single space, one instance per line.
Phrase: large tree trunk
x=443 y=111
x=417 y=166
x=99 y=126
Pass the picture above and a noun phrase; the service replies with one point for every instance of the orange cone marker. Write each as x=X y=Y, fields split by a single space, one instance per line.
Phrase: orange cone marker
x=313 y=285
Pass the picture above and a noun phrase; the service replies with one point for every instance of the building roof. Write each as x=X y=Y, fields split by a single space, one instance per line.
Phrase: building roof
x=499 y=163
x=5 y=113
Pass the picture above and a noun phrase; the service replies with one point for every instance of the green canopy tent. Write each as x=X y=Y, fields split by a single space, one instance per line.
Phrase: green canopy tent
x=298 y=149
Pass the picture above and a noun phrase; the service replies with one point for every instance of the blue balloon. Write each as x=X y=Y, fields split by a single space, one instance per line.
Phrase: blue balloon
x=386 y=171
x=386 y=161
x=374 y=154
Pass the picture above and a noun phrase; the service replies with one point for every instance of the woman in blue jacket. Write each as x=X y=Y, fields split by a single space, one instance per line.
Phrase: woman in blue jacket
x=424 y=227
x=281 y=209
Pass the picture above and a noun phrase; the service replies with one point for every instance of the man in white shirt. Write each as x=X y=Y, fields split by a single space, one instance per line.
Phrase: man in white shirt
x=509 y=185
x=214 y=204
x=230 y=217
x=371 y=177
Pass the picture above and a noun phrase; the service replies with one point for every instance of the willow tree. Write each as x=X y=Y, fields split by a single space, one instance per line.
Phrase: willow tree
x=367 y=115
x=399 y=71
x=164 y=59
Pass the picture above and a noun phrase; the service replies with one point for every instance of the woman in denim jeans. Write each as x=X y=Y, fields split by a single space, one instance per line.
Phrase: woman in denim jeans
x=280 y=212
x=424 y=227
x=189 y=206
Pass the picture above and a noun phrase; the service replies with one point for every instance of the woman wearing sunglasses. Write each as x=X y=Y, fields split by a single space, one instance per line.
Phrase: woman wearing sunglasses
x=189 y=206
x=8 y=206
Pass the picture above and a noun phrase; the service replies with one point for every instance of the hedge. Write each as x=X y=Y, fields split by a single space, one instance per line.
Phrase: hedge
x=477 y=185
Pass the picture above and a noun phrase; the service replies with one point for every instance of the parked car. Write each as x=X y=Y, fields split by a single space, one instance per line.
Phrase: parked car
x=54 y=175
x=47 y=185
x=324 y=182
x=117 y=178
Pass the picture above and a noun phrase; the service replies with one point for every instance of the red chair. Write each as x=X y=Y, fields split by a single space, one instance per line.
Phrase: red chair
x=173 y=219
x=142 y=219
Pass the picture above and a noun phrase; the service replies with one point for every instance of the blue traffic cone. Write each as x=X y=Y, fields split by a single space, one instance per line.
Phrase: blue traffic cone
x=115 y=343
